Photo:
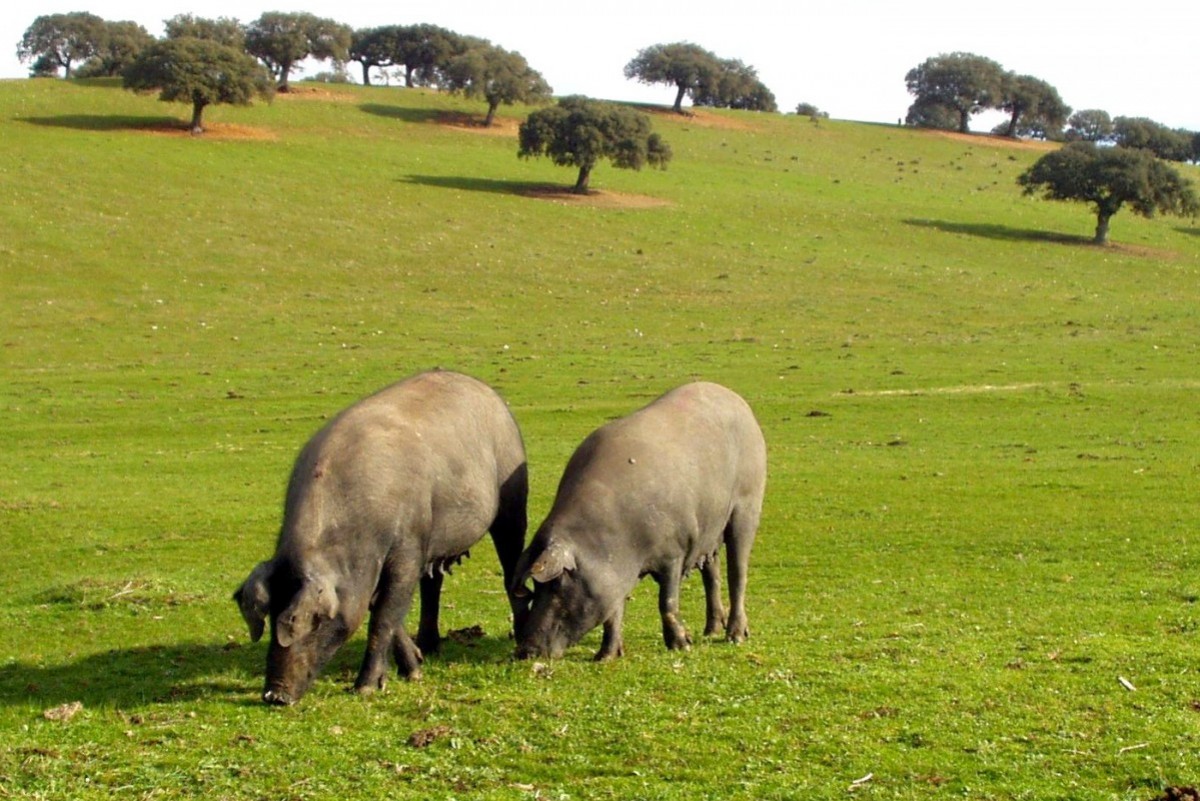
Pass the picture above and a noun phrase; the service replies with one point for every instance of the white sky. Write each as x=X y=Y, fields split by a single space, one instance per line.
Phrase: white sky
x=849 y=58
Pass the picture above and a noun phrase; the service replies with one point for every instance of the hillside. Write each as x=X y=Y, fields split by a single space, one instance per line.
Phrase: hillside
x=981 y=503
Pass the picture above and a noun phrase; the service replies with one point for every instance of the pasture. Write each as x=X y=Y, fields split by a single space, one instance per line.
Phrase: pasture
x=977 y=573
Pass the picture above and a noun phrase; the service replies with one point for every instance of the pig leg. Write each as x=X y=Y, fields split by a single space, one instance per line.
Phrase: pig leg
x=386 y=631
x=714 y=618
x=739 y=537
x=508 y=536
x=674 y=634
x=613 y=644
x=429 y=641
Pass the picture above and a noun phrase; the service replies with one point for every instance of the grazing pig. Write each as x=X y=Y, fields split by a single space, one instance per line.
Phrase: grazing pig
x=387 y=496
x=654 y=493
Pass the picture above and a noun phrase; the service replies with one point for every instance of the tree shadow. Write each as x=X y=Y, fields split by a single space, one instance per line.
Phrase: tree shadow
x=1193 y=231
x=107 y=122
x=1001 y=232
x=229 y=672
x=404 y=114
x=465 y=184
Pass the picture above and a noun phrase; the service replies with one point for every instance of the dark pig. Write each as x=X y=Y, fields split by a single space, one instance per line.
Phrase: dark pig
x=655 y=493
x=388 y=495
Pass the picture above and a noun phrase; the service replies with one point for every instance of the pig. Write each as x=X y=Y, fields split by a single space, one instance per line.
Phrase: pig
x=654 y=493
x=388 y=495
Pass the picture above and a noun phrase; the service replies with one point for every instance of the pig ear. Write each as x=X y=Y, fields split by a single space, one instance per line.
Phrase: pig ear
x=254 y=598
x=317 y=598
x=551 y=564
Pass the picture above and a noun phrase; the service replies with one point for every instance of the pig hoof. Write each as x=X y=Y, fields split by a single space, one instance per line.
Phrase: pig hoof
x=367 y=690
x=278 y=698
x=414 y=675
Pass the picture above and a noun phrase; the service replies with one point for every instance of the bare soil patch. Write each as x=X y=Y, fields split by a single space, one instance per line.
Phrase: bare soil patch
x=595 y=198
x=501 y=126
x=700 y=117
x=213 y=130
x=991 y=140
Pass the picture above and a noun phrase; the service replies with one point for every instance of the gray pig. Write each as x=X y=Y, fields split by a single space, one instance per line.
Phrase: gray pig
x=387 y=496
x=654 y=493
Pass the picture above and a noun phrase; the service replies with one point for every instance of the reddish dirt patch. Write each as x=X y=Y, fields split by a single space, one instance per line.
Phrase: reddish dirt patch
x=991 y=140
x=699 y=117
x=501 y=126
x=595 y=198
x=214 y=130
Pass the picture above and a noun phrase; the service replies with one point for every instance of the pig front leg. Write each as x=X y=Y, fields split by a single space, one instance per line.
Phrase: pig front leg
x=674 y=634
x=613 y=644
x=386 y=633
x=714 y=618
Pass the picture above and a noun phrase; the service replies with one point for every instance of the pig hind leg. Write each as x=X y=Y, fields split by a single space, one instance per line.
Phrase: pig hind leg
x=714 y=617
x=739 y=538
x=508 y=535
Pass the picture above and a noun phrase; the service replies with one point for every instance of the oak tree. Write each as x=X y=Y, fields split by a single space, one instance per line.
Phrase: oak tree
x=960 y=82
x=497 y=76
x=57 y=41
x=1109 y=178
x=198 y=71
x=1034 y=108
x=580 y=132
x=282 y=40
x=684 y=65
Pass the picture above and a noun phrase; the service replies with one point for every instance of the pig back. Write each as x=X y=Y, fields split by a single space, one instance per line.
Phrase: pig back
x=671 y=472
x=423 y=459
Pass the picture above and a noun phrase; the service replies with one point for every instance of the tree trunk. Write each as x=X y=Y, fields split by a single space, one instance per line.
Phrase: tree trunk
x=366 y=74
x=1102 y=228
x=1012 y=124
x=491 y=115
x=581 y=185
x=964 y=121
x=408 y=77
x=197 y=126
x=679 y=99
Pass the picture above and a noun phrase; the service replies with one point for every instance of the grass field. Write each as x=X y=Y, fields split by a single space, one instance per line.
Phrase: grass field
x=977 y=574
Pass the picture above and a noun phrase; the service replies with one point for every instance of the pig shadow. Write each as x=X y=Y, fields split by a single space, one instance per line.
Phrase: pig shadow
x=232 y=672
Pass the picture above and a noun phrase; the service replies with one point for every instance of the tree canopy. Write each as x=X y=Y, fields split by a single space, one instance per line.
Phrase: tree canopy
x=1109 y=178
x=1164 y=142
x=226 y=30
x=281 y=40
x=116 y=50
x=1090 y=125
x=580 y=132
x=963 y=83
x=734 y=85
x=198 y=71
x=55 y=41
x=496 y=75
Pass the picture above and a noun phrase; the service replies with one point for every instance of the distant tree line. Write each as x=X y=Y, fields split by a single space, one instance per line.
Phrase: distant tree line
x=426 y=55
x=951 y=88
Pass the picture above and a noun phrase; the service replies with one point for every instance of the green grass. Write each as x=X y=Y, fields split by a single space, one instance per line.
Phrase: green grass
x=981 y=509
